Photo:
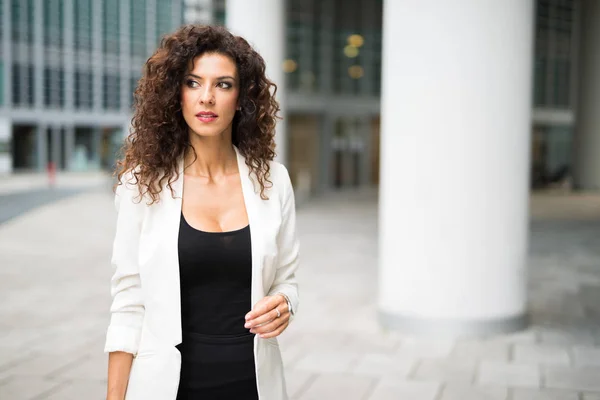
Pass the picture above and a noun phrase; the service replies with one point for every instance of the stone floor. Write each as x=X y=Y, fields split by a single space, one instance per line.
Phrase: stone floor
x=54 y=297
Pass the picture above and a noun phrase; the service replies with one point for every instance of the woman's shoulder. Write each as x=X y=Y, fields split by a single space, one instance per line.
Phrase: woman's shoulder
x=278 y=173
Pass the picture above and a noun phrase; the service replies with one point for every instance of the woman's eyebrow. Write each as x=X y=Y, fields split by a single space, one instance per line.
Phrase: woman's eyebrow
x=220 y=77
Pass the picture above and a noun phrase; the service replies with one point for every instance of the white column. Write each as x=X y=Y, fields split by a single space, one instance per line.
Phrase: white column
x=587 y=131
x=261 y=23
x=453 y=216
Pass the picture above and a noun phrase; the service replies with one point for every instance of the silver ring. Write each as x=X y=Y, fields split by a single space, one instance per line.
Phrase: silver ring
x=278 y=313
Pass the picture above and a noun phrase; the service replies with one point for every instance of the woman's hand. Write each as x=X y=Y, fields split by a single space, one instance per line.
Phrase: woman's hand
x=265 y=321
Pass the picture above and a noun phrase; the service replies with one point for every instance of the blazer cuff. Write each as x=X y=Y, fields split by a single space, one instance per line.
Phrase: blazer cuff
x=122 y=338
x=290 y=293
x=289 y=303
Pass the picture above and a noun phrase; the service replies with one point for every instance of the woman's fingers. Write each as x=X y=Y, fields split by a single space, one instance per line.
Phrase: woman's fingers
x=266 y=310
x=276 y=332
x=271 y=325
x=268 y=316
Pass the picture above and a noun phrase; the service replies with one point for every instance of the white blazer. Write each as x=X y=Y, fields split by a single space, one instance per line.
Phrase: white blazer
x=146 y=312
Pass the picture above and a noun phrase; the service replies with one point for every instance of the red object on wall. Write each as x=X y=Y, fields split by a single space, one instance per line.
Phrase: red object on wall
x=51 y=174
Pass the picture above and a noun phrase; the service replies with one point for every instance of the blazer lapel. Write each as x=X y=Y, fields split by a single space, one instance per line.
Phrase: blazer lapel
x=253 y=202
x=171 y=205
x=170 y=219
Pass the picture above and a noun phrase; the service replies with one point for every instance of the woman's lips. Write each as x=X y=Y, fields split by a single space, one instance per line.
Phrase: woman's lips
x=206 y=117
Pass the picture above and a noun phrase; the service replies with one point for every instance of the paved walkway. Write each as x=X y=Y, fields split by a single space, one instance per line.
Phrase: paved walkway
x=54 y=297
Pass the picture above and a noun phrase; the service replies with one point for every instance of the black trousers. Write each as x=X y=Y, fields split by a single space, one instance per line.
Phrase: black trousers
x=217 y=368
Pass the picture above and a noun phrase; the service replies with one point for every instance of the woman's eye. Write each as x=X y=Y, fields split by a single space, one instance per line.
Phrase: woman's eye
x=192 y=84
x=224 y=85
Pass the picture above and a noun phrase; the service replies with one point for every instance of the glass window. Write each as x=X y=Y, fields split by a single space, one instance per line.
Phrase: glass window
x=83 y=24
x=553 y=53
x=303 y=52
x=132 y=85
x=1 y=19
x=47 y=86
x=16 y=78
x=137 y=27
x=1 y=83
x=22 y=85
x=22 y=20
x=163 y=17
x=110 y=27
x=83 y=89
x=219 y=12
x=53 y=15
x=111 y=96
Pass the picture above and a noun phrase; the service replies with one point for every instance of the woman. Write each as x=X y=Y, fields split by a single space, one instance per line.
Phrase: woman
x=205 y=251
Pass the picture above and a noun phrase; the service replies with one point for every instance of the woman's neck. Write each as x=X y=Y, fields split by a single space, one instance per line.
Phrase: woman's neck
x=214 y=157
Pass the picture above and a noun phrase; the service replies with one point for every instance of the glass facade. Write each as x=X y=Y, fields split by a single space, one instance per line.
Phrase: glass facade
x=554 y=53
x=69 y=58
x=334 y=46
x=111 y=31
x=137 y=27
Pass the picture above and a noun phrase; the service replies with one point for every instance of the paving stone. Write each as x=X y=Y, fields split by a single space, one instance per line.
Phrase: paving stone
x=78 y=390
x=338 y=386
x=26 y=388
x=582 y=378
x=42 y=365
x=89 y=368
x=503 y=374
x=327 y=362
x=586 y=356
x=540 y=354
x=543 y=394
x=480 y=351
x=412 y=348
x=334 y=346
x=379 y=365
x=525 y=336
x=454 y=371
x=453 y=391
x=297 y=381
x=566 y=337
x=405 y=390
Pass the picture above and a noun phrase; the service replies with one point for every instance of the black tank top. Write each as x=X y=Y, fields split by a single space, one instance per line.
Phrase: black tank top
x=216 y=276
x=217 y=352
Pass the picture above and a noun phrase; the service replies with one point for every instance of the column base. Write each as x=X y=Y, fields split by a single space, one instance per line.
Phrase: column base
x=453 y=328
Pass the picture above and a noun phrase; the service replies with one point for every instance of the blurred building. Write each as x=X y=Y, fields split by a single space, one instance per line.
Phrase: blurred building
x=68 y=67
x=67 y=72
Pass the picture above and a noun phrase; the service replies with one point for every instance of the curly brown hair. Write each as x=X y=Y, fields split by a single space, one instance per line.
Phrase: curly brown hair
x=159 y=134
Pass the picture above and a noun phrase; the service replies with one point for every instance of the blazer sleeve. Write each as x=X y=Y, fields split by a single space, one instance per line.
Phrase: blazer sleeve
x=288 y=248
x=127 y=308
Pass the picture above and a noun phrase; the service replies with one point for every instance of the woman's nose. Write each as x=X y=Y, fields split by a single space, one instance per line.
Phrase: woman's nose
x=206 y=96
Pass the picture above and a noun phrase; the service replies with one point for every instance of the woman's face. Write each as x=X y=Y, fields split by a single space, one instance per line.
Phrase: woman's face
x=209 y=95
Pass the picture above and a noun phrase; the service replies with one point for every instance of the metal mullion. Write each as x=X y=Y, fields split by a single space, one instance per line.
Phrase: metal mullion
x=97 y=58
x=551 y=56
x=69 y=54
x=124 y=54
x=38 y=54
x=7 y=53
